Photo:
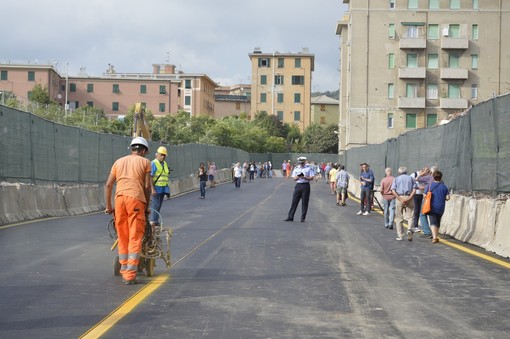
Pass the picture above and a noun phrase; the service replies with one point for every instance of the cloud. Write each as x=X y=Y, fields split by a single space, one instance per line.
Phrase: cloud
x=202 y=36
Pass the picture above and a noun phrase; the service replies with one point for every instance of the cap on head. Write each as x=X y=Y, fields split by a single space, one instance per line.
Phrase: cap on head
x=139 y=141
x=162 y=150
x=301 y=159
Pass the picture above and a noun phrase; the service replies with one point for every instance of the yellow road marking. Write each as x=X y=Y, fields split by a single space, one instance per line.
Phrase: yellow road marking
x=476 y=253
x=125 y=308
x=27 y=222
x=462 y=248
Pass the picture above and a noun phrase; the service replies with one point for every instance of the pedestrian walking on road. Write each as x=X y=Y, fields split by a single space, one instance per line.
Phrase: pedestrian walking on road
x=332 y=178
x=440 y=195
x=388 y=199
x=342 y=183
x=131 y=174
x=159 y=184
x=238 y=172
x=403 y=189
x=202 y=177
x=367 y=180
x=212 y=172
x=302 y=174
x=423 y=181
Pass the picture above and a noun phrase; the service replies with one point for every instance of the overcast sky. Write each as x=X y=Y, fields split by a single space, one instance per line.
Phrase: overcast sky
x=199 y=36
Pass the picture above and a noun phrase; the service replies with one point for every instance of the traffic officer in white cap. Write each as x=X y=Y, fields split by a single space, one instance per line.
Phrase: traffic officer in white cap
x=302 y=175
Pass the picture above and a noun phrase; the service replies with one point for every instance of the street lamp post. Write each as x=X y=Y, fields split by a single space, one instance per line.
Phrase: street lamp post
x=66 y=105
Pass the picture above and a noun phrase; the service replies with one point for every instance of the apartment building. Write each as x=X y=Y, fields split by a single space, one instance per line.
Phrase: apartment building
x=232 y=100
x=324 y=110
x=281 y=85
x=407 y=64
x=20 y=79
x=163 y=91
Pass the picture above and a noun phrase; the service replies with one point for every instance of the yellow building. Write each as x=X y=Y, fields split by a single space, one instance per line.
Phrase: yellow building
x=281 y=85
x=407 y=64
x=324 y=110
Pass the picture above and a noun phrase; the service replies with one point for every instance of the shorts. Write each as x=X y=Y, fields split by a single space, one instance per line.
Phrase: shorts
x=434 y=219
x=211 y=177
x=340 y=190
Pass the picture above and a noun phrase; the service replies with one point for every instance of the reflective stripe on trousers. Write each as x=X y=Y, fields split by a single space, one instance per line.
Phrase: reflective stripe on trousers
x=130 y=225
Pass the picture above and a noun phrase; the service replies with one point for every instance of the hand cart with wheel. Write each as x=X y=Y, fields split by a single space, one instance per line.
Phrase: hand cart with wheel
x=155 y=245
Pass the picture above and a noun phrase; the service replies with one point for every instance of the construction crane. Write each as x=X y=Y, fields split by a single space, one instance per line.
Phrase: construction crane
x=141 y=127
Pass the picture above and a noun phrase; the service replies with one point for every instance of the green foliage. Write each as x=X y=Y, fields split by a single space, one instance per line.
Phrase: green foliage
x=40 y=95
x=270 y=123
x=319 y=139
x=265 y=133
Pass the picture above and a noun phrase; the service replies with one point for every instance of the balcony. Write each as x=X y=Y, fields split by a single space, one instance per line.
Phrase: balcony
x=404 y=102
x=454 y=43
x=415 y=43
x=412 y=73
x=453 y=103
x=454 y=73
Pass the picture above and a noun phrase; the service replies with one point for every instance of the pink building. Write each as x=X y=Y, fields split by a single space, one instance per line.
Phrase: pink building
x=163 y=91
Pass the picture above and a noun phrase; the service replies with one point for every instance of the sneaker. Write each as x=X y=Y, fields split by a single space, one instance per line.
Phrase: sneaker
x=410 y=235
x=399 y=239
x=360 y=213
x=366 y=213
x=428 y=236
x=417 y=230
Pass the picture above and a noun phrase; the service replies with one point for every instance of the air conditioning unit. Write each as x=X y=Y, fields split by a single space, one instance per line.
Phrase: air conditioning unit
x=446 y=31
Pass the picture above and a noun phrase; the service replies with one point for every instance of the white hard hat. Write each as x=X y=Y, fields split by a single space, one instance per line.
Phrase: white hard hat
x=301 y=159
x=139 y=141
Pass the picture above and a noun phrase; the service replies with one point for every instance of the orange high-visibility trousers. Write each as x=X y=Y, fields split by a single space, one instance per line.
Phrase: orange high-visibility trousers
x=130 y=225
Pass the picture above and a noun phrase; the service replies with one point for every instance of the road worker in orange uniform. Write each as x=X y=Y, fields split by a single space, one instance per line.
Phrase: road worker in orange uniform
x=132 y=194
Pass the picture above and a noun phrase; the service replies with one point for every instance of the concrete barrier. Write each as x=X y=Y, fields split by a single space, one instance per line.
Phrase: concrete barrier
x=21 y=202
x=481 y=222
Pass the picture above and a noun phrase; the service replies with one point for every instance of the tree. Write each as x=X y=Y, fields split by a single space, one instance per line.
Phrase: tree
x=271 y=123
x=40 y=95
x=319 y=139
x=294 y=139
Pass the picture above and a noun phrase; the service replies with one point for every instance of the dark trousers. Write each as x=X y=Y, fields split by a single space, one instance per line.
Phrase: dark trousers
x=202 y=188
x=252 y=175
x=366 y=200
x=418 y=198
x=156 y=202
x=237 y=182
x=301 y=191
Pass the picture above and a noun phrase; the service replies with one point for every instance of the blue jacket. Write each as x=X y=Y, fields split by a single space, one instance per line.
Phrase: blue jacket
x=367 y=175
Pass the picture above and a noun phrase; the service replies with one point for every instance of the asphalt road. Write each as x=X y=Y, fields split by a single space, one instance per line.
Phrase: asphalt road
x=240 y=271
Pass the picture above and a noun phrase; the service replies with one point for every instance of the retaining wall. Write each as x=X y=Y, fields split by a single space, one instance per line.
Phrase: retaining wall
x=21 y=202
x=481 y=222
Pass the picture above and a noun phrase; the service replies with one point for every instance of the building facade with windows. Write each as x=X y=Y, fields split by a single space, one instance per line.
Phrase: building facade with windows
x=20 y=79
x=407 y=64
x=163 y=91
x=324 y=110
x=281 y=85
x=232 y=100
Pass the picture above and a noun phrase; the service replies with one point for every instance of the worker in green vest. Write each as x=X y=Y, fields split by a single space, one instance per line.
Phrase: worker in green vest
x=159 y=176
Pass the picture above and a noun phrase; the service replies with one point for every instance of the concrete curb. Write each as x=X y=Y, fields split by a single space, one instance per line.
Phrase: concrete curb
x=22 y=202
x=481 y=222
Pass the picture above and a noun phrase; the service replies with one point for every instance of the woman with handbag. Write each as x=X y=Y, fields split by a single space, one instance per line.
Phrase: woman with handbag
x=440 y=195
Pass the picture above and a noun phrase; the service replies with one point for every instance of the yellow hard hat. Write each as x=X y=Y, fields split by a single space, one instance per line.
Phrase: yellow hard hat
x=162 y=150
